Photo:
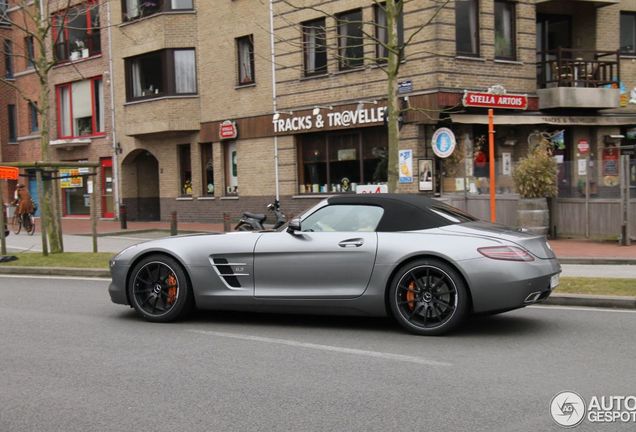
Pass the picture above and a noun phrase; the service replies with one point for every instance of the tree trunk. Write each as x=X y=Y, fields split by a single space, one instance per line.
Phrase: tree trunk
x=393 y=109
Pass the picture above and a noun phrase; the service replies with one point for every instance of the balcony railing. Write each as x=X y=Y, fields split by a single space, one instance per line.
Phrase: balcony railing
x=91 y=45
x=578 y=68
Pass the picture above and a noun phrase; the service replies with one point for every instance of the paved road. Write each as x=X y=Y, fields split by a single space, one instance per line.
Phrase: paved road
x=72 y=361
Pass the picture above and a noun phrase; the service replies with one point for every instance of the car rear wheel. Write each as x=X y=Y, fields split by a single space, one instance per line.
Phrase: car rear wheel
x=159 y=289
x=428 y=297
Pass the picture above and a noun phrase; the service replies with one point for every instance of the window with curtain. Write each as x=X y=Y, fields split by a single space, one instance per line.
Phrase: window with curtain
x=350 y=39
x=466 y=27
x=505 y=35
x=133 y=9
x=76 y=32
x=161 y=73
x=80 y=108
x=628 y=33
x=245 y=47
x=315 y=47
x=381 y=30
x=185 y=72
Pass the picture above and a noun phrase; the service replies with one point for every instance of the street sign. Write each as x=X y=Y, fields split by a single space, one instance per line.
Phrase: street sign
x=9 y=173
x=492 y=100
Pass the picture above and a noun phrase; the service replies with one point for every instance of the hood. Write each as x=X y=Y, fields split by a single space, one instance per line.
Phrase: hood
x=534 y=243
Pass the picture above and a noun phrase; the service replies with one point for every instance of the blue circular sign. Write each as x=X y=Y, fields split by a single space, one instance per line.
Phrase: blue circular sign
x=443 y=142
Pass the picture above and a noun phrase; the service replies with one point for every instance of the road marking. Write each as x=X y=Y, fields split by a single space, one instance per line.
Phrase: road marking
x=293 y=343
x=584 y=308
x=82 y=278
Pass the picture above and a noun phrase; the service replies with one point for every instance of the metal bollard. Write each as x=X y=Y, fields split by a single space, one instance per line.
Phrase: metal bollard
x=123 y=216
x=227 y=227
x=173 y=223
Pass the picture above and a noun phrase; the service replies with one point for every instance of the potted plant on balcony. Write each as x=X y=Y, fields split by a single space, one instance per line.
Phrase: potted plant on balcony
x=535 y=179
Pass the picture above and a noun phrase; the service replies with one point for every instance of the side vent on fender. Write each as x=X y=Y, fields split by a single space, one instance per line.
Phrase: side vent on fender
x=224 y=269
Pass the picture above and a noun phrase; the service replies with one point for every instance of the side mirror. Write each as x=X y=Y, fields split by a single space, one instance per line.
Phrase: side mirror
x=293 y=226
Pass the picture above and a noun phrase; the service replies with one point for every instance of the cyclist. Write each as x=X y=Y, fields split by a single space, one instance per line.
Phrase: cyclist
x=23 y=202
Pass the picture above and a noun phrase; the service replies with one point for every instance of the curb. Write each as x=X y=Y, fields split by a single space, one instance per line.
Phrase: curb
x=55 y=271
x=597 y=261
x=612 y=302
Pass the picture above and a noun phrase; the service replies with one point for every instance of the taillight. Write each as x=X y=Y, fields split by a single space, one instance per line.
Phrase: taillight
x=506 y=253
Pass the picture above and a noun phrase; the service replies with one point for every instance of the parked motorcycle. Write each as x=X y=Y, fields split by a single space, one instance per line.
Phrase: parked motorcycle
x=256 y=221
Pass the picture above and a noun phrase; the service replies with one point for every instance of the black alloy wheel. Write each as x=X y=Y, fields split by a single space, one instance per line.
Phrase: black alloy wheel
x=159 y=289
x=428 y=297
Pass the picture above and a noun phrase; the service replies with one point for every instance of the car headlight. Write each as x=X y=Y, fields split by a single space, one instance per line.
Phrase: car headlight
x=116 y=257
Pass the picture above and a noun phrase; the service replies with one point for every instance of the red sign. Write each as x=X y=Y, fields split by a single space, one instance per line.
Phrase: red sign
x=9 y=173
x=491 y=100
x=228 y=130
x=583 y=146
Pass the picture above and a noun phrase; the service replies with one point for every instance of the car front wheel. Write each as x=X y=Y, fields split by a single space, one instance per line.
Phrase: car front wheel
x=159 y=289
x=428 y=297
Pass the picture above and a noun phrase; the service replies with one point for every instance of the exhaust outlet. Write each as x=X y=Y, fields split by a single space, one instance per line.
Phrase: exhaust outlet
x=532 y=297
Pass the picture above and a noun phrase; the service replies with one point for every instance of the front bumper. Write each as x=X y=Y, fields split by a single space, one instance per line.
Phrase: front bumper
x=117 y=286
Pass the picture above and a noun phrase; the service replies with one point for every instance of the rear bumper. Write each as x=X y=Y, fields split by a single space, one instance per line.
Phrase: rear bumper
x=505 y=285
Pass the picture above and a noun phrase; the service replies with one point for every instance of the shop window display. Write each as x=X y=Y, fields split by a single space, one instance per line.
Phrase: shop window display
x=339 y=162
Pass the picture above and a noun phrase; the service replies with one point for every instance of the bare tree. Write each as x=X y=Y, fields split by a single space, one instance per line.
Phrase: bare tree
x=41 y=25
x=389 y=45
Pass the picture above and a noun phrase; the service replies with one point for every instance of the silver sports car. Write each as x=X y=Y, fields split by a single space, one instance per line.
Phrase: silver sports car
x=416 y=259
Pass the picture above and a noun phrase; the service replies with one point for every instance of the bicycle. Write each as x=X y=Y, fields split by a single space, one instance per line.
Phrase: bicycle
x=25 y=220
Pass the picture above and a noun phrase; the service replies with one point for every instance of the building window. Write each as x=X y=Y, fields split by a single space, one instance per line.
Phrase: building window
x=207 y=170
x=381 y=30
x=350 y=40
x=338 y=162
x=231 y=168
x=185 y=169
x=13 y=134
x=466 y=27
x=245 y=48
x=133 y=9
x=33 y=117
x=628 y=33
x=8 y=58
x=161 y=73
x=505 y=34
x=80 y=108
x=29 y=51
x=4 y=4
x=315 y=47
x=76 y=32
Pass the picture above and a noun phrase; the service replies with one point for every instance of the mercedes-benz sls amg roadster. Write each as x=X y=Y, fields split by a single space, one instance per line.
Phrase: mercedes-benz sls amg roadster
x=425 y=263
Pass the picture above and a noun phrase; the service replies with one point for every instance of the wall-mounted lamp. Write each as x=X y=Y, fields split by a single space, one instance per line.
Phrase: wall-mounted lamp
x=277 y=114
x=317 y=109
x=363 y=102
x=118 y=148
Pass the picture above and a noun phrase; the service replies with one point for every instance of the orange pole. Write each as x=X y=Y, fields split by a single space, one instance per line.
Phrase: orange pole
x=491 y=158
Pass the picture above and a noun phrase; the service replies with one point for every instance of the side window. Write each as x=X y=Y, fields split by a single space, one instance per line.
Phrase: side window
x=343 y=218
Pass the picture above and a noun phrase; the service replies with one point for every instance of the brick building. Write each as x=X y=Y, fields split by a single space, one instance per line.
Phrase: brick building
x=79 y=97
x=203 y=119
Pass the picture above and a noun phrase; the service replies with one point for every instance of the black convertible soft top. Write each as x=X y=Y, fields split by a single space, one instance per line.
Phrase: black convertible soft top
x=404 y=212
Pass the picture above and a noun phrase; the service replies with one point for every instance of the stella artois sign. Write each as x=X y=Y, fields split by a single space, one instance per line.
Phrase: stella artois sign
x=228 y=130
x=495 y=97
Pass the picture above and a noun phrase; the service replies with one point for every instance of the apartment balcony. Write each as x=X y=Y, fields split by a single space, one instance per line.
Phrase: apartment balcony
x=569 y=78
x=174 y=115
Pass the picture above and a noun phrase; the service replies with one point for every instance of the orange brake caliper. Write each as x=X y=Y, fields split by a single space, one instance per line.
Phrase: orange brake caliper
x=172 y=289
x=410 y=295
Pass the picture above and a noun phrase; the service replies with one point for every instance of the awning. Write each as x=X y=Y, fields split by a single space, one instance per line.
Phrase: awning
x=532 y=119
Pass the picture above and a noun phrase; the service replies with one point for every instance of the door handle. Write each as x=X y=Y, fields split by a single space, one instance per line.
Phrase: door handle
x=351 y=243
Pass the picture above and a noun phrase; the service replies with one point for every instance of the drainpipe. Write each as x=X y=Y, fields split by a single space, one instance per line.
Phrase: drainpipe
x=116 y=179
x=274 y=103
